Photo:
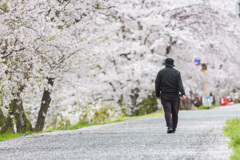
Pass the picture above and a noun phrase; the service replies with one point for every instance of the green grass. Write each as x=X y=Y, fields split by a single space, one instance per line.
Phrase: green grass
x=120 y=119
x=232 y=130
x=207 y=107
x=7 y=136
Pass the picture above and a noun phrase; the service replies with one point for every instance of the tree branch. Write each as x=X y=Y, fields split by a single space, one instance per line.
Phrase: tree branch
x=6 y=56
x=64 y=58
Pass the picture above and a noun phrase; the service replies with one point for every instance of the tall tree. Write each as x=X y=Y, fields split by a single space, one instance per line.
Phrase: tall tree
x=45 y=35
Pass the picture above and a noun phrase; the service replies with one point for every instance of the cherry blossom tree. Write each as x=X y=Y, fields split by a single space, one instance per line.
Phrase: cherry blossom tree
x=97 y=53
x=45 y=35
x=152 y=31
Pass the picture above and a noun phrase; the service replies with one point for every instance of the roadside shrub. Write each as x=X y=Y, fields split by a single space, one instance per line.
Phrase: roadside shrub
x=101 y=115
x=147 y=105
x=232 y=130
x=207 y=107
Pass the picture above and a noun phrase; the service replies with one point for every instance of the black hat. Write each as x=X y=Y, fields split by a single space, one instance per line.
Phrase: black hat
x=169 y=62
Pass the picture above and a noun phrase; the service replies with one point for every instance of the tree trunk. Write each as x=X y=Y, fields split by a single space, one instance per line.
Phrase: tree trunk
x=22 y=123
x=27 y=123
x=2 y=118
x=17 y=112
x=8 y=127
x=46 y=100
x=134 y=98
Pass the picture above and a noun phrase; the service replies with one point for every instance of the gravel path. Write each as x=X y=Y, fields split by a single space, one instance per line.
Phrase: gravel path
x=199 y=136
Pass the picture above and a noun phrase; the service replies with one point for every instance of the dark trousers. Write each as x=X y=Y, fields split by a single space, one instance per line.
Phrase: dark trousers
x=170 y=102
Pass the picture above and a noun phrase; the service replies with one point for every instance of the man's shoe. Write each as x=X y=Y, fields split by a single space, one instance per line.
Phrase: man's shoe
x=170 y=130
x=174 y=130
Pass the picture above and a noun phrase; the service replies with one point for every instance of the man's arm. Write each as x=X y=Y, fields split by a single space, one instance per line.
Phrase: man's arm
x=157 y=85
x=180 y=86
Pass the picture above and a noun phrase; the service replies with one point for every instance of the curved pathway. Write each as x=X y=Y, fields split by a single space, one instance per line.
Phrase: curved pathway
x=199 y=136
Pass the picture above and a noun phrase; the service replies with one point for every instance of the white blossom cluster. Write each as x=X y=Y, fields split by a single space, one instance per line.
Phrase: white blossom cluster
x=151 y=31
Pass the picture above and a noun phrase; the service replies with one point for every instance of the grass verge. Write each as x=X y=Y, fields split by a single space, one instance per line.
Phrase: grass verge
x=232 y=130
x=7 y=136
x=120 y=119
x=208 y=107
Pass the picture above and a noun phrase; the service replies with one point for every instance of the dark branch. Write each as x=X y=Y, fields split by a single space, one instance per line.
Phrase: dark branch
x=64 y=58
x=6 y=56
x=125 y=55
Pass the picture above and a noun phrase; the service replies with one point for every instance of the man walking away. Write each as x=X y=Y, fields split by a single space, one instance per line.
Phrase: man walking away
x=168 y=85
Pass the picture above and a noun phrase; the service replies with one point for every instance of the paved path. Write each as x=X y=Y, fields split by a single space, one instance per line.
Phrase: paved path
x=199 y=136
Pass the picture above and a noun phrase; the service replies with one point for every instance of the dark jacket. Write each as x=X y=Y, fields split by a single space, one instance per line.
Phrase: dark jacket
x=169 y=81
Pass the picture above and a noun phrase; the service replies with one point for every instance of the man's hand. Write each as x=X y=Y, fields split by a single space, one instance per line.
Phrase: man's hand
x=159 y=98
x=184 y=97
